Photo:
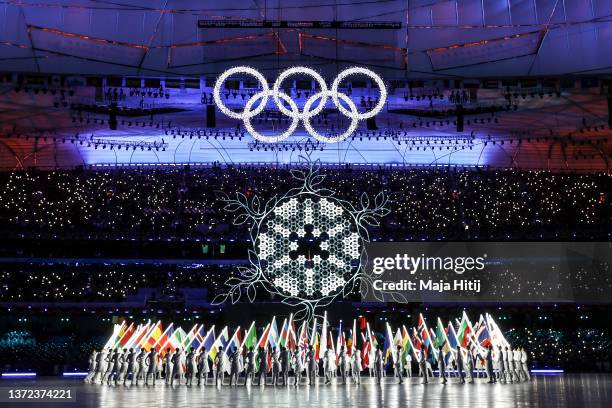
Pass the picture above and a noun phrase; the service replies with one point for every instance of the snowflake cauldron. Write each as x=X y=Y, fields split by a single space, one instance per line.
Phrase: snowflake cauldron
x=307 y=244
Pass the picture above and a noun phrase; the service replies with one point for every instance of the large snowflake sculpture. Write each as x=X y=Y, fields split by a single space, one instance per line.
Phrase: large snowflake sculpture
x=307 y=244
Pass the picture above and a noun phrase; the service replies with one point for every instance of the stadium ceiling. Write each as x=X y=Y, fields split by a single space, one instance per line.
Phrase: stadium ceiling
x=435 y=39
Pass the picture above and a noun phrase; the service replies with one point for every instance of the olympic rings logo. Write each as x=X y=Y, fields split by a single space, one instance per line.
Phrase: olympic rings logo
x=294 y=112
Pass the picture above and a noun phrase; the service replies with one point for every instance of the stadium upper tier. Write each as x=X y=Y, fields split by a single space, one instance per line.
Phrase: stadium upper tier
x=544 y=127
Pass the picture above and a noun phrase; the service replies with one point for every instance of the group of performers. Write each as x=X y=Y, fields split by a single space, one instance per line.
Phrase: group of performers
x=146 y=354
x=276 y=366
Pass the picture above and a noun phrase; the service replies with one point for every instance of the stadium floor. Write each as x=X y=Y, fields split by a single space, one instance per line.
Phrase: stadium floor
x=570 y=390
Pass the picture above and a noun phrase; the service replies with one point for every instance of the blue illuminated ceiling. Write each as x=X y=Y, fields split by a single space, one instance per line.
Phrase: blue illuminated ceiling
x=514 y=54
x=438 y=38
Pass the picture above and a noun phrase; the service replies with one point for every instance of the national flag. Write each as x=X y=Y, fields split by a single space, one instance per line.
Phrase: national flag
x=273 y=334
x=323 y=344
x=163 y=339
x=263 y=343
x=497 y=337
x=342 y=341
x=397 y=341
x=285 y=337
x=250 y=339
x=317 y=347
x=282 y=340
x=127 y=335
x=451 y=336
x=362 y=323
x=442 y=340
x=468 y=339
x=407 y=346
x=219 y=342
x=365 y=351
x=303 y=342
x=388 y=346
x=208 y=340
x=138 y=335
x=432 y=350
x=263 y=340
x=469 y=335
x=154 y=331
x=292 y=342
x=234 y=343
x=330 y=346
x=151 y=338
x=465 y=331
x=313 y=332
x=113 y=337
x=351 y=342
x=434 y=341
x=483 y=335
x=416 y=340
x=339 y=339
x=174 y=342
x=440 y=333
x=189 y=337
x=424 y=335
x=477 y=326
x=119 y=335
x=198 y=338
x=373 y=344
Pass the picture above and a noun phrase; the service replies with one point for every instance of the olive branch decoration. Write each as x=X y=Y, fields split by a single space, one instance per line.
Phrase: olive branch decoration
x=253 y=211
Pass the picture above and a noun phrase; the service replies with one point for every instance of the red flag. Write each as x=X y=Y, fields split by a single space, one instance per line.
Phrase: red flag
x=366 y=347
x=362 y=323
x=416 y=340
x=126 y=336
x=291 y=337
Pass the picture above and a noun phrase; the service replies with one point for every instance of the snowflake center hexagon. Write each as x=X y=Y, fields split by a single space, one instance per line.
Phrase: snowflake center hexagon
x=309 y=246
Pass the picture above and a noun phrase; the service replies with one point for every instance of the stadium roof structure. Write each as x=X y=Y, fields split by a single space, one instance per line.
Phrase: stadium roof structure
x=430 y=38
x=532 y=75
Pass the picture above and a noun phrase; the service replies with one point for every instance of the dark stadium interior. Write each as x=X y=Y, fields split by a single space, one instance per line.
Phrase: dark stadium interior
x=117 y=160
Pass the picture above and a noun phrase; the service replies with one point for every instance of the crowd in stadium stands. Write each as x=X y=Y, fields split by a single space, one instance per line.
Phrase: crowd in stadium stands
x=427 y=204
x=104 y=283
x=53 y=354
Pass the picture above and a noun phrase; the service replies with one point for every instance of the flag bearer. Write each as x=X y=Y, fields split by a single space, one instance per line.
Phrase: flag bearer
x=422 y=360
x=398 y=364
x=378 y=364
x=441 y=365
x=524 y=365
x=328 y=365
x=312 y=366
x=489 y=360
x=191 y=366
x=93 y=363
x=261 y=365
x=460 y=365
x=101 y=366
x=284 y=361
x=203 y=367
x=234 y=368
x=151 y=366
x=356 y=367
x=249 y=370
x=298 y=366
